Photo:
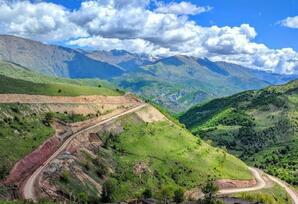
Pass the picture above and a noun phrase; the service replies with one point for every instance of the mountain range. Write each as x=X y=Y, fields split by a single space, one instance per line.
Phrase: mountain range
x=175 y=82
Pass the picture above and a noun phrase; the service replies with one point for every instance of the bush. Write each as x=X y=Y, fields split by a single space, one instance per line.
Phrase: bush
x=179 y=195
x=147 y=193
x=108 y=189
x=48 y=119
x=167 y=193
x=210 y=189
x=64 y=177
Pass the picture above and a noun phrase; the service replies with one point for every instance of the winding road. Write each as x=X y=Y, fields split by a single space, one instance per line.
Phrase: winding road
x=28 y=188
x=261 y=183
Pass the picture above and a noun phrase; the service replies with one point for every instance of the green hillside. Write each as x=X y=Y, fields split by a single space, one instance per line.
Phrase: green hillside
x=261 y=127
x=17 y=79
x=160 y=158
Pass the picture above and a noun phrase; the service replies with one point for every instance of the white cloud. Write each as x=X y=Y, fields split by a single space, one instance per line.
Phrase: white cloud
x=290 y=22
x=42 y=21
x=133 y=26
x=182 y=8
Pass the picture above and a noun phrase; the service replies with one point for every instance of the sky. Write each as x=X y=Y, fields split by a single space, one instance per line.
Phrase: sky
x=259 y=34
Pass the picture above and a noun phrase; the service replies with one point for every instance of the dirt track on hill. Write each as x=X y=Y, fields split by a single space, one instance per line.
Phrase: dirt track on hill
x=41 y=99
x=261 y=183
x=28 y=188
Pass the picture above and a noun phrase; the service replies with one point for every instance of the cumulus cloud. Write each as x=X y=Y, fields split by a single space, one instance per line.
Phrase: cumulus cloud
x=43 y=21
x=136 y=26
x=182 y=8
x=290 y=22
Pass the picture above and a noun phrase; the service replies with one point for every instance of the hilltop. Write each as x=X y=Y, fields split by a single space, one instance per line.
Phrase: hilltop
x=258 y=126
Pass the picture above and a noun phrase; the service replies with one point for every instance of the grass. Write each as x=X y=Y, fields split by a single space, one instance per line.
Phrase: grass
x=172 y=157
x=21 y=132
x=18 y=86
x=273 y=195
x=17 y=79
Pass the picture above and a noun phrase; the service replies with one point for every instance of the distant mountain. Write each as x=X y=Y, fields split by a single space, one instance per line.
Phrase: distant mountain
x=121 y=58
x=179 y=82
x=261 y=127
x=54 y=60
x=176 y=82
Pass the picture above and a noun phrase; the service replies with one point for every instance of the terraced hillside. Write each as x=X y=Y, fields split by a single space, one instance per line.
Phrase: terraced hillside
x=258 y=126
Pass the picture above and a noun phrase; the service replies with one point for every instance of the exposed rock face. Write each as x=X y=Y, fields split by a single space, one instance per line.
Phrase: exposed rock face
x=227 y=183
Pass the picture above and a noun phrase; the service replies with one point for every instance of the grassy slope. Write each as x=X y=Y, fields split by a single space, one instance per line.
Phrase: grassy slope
x=16 y=79
x=273 y=195
x=174 y=158
x=21 y=132
x=259 y=126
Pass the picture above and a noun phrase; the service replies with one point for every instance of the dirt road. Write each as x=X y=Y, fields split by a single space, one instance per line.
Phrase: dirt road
x=27 y=189
x=290 y=192
x=261 y=183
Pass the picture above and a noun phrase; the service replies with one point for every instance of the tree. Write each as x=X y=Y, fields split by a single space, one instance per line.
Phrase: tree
x=210 y=189
x=108 y=189
x=147 y=193
x=48 y=119
x=167 y=193
x=179 y=195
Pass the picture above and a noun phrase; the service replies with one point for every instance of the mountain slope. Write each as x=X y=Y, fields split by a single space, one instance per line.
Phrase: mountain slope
x=53 y=60
x=17 y=79
x=258 y=126
x=180 y=82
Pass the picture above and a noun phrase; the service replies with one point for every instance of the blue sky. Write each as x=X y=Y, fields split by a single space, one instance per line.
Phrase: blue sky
x=263 y=15
x=260 y=34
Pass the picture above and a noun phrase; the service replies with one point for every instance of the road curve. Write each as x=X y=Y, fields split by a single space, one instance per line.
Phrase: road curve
x=290 y=192
x=27 y=190
x=261 y=183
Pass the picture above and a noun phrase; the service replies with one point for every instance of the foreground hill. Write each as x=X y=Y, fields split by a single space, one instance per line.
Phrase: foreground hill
x=258 y=126
x=176 y=82
x=107 y=148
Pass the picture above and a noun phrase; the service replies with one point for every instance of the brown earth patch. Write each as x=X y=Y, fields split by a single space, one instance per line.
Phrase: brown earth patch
x=140 y=167
x=228 y=183
x=41 y=99
x=31 y=162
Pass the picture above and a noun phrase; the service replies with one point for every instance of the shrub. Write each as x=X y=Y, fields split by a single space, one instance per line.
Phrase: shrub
x=210 y=189
x=108 y=189
x=147 y=193
x=64 y=177
x=179 y=195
